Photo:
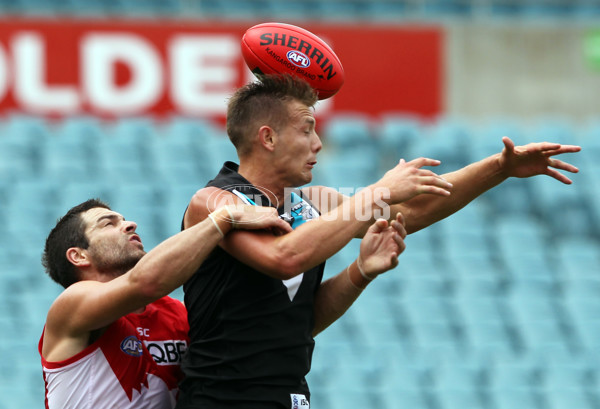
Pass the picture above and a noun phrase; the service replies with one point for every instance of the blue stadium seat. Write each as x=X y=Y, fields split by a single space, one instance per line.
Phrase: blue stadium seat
x=557 y=130
x=175 y=163
x=579 y=259
x=22 y=143
x=448 y=140
x=536 y=319
x=565 y=382
x=457 y=384
x=218 y=149
x=378 y=320
x=143 y=204
x=432 y=326
x=583 y=320
x=446 y=8
x=483 y=321
x=123 y=159
x=515 y=233
x=387 y=10
x=514 y=382
x=67 y=160
x=345 y=132
x=75 y=192
x=86 y=130
x=397 y=137
x=342 y=10
x=176 y=199
x=206 y=141
x=302 y=9
x=31 y=206
x=193 y=131
x=477 y=275
x=17 y=161
x=563 y=207
x=351 y=170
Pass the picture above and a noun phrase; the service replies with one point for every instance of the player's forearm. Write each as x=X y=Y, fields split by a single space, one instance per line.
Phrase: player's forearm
x=336 y=295
x=172 y=262
x=468 y=183
x=315 y=241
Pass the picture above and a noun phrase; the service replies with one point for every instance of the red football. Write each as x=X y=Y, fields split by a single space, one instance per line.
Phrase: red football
x=272 y=48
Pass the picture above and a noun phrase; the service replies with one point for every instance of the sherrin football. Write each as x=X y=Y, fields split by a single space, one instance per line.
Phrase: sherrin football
x=277 y=48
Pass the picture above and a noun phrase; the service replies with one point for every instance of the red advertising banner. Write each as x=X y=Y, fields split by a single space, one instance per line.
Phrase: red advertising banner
x=125 y=68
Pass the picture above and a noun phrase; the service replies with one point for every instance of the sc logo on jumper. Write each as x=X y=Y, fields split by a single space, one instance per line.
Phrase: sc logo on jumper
x=298 y=59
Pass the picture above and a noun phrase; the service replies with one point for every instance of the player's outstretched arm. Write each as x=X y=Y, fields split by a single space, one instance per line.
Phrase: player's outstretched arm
x=473 y=180
x=403 y=182
x=379 y=251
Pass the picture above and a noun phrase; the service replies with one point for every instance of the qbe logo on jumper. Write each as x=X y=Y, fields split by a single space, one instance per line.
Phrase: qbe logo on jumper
x=298 y=59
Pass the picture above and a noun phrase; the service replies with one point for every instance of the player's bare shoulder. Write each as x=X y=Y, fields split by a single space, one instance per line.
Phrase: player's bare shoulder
x=207 y=200
x=323 y=197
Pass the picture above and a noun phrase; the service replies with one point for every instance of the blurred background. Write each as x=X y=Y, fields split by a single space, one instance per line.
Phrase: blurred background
x=496 y=307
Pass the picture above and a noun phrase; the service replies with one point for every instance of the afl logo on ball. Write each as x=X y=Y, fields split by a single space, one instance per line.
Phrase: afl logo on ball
x=298 y=59
x=132 y=346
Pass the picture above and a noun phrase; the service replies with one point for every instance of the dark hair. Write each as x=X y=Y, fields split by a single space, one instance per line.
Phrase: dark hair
x=263 y=102
x=68 y=232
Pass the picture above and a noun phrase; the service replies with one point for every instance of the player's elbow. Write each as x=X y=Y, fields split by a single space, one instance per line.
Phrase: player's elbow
x=288 y=266
x=147 y=288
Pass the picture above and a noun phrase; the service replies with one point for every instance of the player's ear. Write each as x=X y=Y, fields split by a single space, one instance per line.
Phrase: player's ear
x=266 y=137
x=78 y=257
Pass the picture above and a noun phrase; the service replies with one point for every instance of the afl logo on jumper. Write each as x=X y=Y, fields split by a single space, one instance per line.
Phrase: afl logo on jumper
x=132 y=346
x=298 y=59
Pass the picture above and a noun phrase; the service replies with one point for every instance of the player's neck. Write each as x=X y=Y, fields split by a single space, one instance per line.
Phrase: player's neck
x=265 y=179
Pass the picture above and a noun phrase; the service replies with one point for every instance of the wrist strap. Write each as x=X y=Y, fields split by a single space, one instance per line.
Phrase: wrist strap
x=352 y=282
x=210 y=216
x=361 y=271
x=231 y=219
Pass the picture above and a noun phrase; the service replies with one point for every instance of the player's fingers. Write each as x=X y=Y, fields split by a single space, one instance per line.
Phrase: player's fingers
x=558 y=176
x=399 y=227
x=394 y=260
x=568 y=149
x=435 y=181
x=559 y=164
x=433 y=190
x=508 y=143
x=283 y=226
x=399 y=242
x=378 y=226
x=400 y=218
x=420 y=162
x=548 y=148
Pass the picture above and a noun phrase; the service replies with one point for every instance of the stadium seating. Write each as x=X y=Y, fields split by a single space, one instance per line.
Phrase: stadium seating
x=374 y=10
x=494 y=307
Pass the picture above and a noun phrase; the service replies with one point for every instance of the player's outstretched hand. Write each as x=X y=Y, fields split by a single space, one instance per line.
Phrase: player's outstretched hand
x=408 y=179
x=381 y=246
x=536 y=159
x=250 y=217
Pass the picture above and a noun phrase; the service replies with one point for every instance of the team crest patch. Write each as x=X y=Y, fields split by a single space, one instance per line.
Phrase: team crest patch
x=132 y=346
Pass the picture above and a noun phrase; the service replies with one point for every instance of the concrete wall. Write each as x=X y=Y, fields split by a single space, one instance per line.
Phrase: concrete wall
x=521 y=71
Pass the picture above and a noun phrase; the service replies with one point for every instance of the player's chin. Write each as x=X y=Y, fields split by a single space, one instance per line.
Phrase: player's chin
x=307 y=177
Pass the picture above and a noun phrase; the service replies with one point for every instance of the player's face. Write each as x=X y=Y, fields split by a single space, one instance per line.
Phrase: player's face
x=114 y=246
x=297 y=154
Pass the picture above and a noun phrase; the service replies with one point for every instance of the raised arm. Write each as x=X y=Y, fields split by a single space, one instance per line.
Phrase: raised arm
x=379 y=251
x=475 y=179
x=90 y=305
x=312 y=243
